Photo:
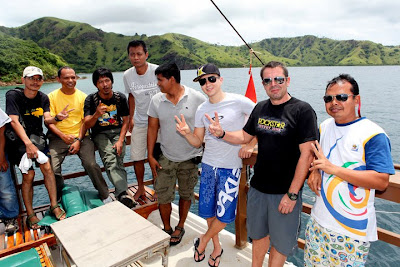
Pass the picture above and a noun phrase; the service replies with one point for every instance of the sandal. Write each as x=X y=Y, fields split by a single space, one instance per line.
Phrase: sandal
x=32 y=225
x=168 y=231
x=59 y=215
x=199 y=255
x=215 y=259
x=179 y=237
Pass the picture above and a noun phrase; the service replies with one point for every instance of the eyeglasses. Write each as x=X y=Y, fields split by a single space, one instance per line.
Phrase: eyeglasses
x=211 y=79
x=278 y=80
x=339 y=97
x=35 y=79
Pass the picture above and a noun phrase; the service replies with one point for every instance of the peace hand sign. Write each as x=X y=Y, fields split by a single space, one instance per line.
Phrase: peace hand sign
x=215 y=128
x=64 y=113
x=182 y=126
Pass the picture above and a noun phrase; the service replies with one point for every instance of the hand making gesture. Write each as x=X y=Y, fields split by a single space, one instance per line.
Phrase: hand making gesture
x=182 y=126
x=214 y=127
x=320 y=162
x=100 y=110
x=64 y=113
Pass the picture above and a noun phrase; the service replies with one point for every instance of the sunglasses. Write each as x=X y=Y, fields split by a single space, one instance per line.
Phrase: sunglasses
x=34 y=79
x=211 y=79
x=278 y=80
x=339 y=97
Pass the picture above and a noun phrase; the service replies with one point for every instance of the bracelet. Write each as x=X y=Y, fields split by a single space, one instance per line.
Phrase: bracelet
x=56 y=118
x=78 y=139
x=222 y=136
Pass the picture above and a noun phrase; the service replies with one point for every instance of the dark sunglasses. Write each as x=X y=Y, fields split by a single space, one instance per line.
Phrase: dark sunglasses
x=278 y=80
x=211 y=79
x=339 y=97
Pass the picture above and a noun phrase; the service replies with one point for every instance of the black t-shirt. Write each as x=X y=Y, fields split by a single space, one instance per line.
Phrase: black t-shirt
x=30 y=111
x=117 y=107
x=280 y=130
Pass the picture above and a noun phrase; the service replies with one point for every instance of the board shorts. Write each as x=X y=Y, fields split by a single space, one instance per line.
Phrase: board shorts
x=264 y=219
x=325 y=247
x=219 y=188
x=186 y=172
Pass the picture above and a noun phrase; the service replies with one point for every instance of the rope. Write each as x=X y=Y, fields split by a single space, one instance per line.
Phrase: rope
x=248 y=46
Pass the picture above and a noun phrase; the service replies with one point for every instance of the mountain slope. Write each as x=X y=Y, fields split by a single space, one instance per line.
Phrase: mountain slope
x=85 y=48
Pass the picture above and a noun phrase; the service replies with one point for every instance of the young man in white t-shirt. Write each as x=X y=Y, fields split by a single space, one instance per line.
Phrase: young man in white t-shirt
x=221 y=163
x=141 y=84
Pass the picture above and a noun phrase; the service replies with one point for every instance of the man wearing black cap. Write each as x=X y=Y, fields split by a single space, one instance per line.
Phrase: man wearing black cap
x=27 y=107
x=221 y=164
x=285 y=128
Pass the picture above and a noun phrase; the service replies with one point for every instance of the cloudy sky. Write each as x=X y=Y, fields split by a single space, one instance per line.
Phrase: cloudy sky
x=255 y=20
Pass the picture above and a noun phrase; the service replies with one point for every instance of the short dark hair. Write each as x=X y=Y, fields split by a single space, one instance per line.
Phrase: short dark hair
x=101 y=72
x=274 y=64
x=136 y=43
x=63 y=68
x=168 y=70
x=345 y=77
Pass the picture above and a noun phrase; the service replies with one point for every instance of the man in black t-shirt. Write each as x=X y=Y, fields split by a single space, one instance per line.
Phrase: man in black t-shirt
x=107 y=115
x=27 y=107
x=285 y=128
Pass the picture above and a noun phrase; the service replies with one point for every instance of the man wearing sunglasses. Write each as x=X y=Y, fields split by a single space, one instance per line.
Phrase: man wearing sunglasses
x=285 y=128
x=352 y=161
x=221 y=164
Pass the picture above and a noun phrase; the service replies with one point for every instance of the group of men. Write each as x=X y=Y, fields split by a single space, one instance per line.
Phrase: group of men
x=352 y=157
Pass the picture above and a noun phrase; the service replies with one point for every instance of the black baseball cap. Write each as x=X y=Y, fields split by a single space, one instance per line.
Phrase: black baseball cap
x=208 y=68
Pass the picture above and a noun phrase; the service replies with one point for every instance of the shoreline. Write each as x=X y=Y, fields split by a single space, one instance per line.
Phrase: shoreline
x=52 y=80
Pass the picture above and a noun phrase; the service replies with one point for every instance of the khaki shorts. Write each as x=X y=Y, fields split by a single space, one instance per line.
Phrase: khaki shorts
x=139 y=143
x=187 y=174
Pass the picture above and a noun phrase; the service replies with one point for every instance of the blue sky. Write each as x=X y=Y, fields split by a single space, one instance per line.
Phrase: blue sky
x=374 y=20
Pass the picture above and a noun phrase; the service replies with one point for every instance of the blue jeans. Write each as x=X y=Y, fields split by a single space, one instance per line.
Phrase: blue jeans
x=8 y=196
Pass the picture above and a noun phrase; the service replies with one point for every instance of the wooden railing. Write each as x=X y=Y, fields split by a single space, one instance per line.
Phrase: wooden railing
x=392 y=193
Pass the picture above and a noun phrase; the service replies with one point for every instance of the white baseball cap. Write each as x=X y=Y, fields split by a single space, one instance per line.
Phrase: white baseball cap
x=32 y=71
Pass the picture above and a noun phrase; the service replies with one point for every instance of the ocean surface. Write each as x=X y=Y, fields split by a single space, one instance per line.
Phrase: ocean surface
x=379 y=86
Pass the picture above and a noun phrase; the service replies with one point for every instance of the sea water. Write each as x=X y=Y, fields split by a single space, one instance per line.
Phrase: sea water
x=379 y=86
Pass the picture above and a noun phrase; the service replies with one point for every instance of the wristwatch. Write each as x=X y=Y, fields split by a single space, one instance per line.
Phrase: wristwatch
x=292 y=196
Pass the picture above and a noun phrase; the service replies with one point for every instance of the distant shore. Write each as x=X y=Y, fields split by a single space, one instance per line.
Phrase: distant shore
x=53 y=80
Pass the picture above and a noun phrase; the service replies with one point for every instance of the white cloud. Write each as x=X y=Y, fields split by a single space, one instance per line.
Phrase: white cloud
x=375 y=20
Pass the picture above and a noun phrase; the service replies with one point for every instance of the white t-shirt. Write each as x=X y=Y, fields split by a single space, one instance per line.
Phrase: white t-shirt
x=142 y=87
x=233 y=111
x=4 y=119
x=341 y=206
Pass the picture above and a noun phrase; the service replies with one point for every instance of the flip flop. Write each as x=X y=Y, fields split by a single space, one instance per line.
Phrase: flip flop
x=179 y=236
x=215 y=259
x=196 y=244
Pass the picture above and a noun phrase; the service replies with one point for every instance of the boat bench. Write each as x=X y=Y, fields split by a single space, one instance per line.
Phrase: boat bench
x=39 y=256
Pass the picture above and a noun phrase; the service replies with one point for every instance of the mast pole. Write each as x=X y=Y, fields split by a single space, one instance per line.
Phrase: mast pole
x=248 y=46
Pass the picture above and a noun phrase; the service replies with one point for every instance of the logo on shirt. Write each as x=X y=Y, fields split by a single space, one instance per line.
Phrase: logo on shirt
x=272 y=125
x=37 y=112
x=354 y=148
x=109 y=117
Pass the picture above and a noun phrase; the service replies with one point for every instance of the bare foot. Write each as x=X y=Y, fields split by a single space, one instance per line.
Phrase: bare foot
x=202 y=247
x=141 y=192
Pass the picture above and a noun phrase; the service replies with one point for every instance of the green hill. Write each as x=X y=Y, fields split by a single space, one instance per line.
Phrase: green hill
x=84 y=48
x=16 y=54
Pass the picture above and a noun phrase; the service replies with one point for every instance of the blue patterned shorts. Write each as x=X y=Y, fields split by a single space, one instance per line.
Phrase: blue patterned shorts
x=327 y=248
x=219 y=189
